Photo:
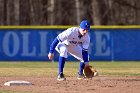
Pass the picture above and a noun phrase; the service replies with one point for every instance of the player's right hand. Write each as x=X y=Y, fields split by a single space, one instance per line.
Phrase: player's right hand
x=50 y=56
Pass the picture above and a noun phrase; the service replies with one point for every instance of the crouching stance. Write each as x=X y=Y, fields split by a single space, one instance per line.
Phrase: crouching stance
x=75 y=41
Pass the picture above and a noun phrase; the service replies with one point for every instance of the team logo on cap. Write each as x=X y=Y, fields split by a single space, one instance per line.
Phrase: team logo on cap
x=87 y=25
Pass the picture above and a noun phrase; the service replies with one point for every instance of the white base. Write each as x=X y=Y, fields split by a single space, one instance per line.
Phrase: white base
x=17 y=83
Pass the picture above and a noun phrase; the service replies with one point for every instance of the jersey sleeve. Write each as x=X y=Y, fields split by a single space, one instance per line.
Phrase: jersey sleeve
x=85 y=47
x=85 y=44
x=64 y=35
x=53 y=45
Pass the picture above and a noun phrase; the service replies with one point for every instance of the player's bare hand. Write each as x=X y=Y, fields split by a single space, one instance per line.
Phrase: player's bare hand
x=50 y=56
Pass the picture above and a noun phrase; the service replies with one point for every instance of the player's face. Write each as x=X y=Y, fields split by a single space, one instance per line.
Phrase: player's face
x=83 y=31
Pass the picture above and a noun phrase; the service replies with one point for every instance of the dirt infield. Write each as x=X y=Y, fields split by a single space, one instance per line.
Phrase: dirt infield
x=100 y=84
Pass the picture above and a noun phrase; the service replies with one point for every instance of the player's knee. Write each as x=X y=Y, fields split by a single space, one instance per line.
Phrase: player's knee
x=63 y=52
x=64 y=49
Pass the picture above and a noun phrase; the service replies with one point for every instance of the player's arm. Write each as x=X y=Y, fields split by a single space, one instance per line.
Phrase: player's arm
x=60 y=38
x=52 y=48
x=85 y=54
x=53 y=45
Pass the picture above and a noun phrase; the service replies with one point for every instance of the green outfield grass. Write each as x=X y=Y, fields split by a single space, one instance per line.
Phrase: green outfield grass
x=71 y=68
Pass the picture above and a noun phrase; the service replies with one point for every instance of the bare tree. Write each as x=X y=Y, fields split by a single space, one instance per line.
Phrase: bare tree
x=9 y=12
x=86 y=10
x=65 y=12
x=69 y=12
x=77 y=4
x=2 y=11
x=50 y=10
x=125 y=12
x=24 y=12
x=16 y=11
x=96 y=14
x=36 y=12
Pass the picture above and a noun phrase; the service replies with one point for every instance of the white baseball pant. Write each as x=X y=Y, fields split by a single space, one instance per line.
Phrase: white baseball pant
x=75 y=51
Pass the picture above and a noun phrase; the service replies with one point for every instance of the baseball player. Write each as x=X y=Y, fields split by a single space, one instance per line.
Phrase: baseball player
x=75 y=41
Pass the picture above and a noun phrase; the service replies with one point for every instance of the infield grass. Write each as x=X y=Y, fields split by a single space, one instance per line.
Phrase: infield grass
x=130 y=68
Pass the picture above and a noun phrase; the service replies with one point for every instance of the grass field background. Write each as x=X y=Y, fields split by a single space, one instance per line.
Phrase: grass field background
x=129 y=68
x=49 y=69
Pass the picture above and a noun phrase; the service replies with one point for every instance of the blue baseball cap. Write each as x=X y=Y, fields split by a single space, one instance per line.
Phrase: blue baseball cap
x=85 y=24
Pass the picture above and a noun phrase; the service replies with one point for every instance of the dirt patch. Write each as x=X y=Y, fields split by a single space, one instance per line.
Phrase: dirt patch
x=100 y=84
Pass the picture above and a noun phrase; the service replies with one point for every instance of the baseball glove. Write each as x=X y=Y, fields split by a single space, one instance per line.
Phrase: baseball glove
x=89 y=73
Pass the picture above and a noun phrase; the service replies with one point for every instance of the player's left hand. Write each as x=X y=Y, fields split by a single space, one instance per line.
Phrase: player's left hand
x=88 y=72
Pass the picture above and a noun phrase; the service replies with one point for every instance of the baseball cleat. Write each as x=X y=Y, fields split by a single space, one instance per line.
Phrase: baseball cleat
x=80 y=77
x=61 y=77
